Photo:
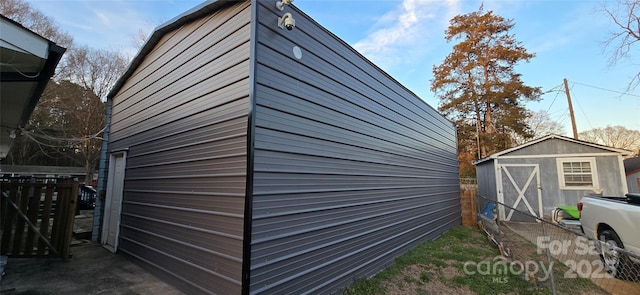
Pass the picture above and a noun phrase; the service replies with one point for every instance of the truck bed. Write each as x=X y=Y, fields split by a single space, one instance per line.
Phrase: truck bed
x=631 y=199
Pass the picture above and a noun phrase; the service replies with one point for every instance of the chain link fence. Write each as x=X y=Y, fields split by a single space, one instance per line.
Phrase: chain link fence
x=556 y=256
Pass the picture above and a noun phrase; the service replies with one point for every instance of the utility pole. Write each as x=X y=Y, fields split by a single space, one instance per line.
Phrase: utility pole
x=573 y=119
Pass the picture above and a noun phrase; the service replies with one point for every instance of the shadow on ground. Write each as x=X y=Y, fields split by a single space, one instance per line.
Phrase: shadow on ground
x=91 y=270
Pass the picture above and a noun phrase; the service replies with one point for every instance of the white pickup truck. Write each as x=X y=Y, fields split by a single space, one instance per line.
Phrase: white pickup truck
x=615 y=221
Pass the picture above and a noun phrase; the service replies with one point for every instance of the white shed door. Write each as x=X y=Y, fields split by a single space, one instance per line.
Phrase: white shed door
x=113 y=202
x=520 y=188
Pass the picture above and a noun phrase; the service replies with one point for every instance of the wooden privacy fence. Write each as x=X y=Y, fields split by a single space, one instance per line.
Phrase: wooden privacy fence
x=37 y=216
x=469 y=206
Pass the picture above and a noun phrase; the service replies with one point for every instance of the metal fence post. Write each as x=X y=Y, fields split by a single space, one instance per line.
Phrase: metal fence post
x=549 y=261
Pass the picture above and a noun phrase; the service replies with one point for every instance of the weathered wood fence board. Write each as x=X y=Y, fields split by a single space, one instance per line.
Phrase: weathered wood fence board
x=37 y=216
x=469 y=207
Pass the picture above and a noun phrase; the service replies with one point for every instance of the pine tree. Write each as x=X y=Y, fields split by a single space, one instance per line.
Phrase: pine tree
x=477 y=85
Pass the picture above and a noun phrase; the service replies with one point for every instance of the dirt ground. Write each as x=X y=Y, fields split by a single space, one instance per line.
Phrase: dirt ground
x=571 y=256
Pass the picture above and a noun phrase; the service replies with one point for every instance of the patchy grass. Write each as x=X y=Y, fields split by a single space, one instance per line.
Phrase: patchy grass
x=438 y=267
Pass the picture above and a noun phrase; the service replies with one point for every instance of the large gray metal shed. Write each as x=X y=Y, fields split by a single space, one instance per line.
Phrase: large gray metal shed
x=550 y=171
x=248 y=158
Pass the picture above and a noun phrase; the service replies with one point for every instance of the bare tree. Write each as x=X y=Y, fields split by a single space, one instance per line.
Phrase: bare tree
x=141 y=36
x=69 y=118
x=94 y=69
x=67 y=123
x=34 y=20
x=626 y=18
x=613 y=136
x=540 y=124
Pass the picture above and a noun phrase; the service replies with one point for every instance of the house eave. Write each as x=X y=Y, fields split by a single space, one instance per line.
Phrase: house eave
x=28 y=61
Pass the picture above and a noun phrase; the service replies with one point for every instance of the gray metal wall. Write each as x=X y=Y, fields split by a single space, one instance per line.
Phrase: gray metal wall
x=183 y=117
x=633 y=181
x=486 y=175
x=351 y=169
x=555 y=146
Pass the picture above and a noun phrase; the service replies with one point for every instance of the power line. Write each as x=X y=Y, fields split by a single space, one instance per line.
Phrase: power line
x=584 y=113
x=596 y=87
x=563 y=118
x=64 y=142
x=557 y=91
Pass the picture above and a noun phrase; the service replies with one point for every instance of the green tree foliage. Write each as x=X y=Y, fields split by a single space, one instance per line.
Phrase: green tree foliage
x=478 y=87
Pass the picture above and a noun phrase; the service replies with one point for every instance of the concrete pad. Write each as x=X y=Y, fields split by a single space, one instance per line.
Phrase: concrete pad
x=91 y=270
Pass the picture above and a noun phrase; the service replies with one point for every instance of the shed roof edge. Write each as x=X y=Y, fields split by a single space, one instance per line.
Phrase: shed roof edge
x=622 y=152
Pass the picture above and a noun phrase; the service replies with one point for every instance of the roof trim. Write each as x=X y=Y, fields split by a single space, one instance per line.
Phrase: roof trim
x=188 y=16
x=32 y=77
x=497 y=155
x=54 y=56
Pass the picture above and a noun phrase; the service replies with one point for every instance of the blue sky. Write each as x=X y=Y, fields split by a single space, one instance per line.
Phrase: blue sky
x=406 y=39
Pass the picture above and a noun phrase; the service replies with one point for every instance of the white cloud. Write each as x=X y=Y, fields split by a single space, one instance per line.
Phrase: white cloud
x=104 y=19
x=113 y=28
x=403 y=33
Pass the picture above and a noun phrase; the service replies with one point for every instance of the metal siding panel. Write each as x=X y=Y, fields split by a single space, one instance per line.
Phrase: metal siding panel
x=223 y=165
x=214 y=202
x=214 y=68
x=633 y=182
x=333 y=52
x=150 y=62
x=174 y=106
x=206 y=123
x=187 y=276
x=486 y=175
x=183 y=117
x=219 y=264
x=180 y=46
x=339 y=82
x=351 y=169
x=610 y=181
x=220 y=223
x=343 y=131
x=280 y=203
x=191 y=73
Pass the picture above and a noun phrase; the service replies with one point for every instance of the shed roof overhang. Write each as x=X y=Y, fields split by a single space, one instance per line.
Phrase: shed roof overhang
x=497 y=155
x=27 y=62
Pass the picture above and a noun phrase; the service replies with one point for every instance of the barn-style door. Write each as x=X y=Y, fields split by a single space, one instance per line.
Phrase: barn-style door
x=519 y=187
